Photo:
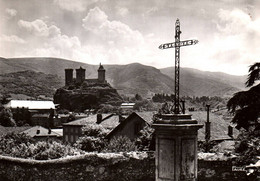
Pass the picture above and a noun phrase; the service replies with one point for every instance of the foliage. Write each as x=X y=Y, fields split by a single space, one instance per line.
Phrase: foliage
x=120 y=144
x=247 y=146
x=93 y=139
x=203 y=146
x=29 y=84
x=245 y=105
x=138 y=97
x=23 y=146
x=108 y=108
x=46 y=150
x=95 y=130
x=145 y=105
x=162 y=97
x=6 y=117
x=90 y=143
x=145 y=139
x=71 y=117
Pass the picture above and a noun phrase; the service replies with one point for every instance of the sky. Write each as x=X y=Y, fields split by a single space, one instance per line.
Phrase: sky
x=128 y=31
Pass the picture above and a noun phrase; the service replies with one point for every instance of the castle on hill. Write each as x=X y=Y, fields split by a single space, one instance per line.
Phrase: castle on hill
x=80 y=76
x=80 y=93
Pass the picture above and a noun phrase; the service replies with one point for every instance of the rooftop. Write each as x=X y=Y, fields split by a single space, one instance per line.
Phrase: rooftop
x=30 y=104
x=109 y=121
x=39 y=131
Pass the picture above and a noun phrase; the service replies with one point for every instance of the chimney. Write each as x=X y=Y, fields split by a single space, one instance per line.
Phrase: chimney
x=230 y=131
x=38 y=131
x=183 y=106
x=207 y=128
x=99 y=118
x=49 y=131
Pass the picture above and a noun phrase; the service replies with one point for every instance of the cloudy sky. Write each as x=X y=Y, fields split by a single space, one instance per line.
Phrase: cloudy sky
x=127 y=31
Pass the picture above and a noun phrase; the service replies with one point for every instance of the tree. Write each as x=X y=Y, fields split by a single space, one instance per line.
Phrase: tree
x=146 y=139
x=93 y=139
x=245 y=105
x=6 y=117
x=120 y=144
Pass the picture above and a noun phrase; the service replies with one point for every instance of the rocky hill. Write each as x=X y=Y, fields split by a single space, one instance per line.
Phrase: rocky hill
x=86 y=96
x=135 y=78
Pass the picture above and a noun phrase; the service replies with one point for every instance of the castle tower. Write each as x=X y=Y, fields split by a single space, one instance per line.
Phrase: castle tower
x=80 y=75
x=101 y=73
x=68 y=76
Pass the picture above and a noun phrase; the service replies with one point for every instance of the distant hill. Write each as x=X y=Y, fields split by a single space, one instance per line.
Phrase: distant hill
x=29 y=85
x=135 y=78
x=206 y=83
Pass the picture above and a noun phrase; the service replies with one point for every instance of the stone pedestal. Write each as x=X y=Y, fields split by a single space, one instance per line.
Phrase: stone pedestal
x=176 y=147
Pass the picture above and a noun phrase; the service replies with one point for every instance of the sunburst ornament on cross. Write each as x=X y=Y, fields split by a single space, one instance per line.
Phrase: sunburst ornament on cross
x=177 y=44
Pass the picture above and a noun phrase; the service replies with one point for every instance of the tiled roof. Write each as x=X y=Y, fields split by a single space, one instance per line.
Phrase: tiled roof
x=30 y=104
x=109 y=121
x=5 y=130
x=41 y=132
x=219 y=126
x=146 y=116
x=82 y=121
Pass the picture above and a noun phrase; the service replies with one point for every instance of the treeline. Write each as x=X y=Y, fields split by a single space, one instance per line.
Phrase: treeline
x=163 y=97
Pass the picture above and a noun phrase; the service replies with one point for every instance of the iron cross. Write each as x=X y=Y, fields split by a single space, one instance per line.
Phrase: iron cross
x=177 y=44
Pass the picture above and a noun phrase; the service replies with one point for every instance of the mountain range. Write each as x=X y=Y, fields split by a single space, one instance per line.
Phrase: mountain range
x=130 y=79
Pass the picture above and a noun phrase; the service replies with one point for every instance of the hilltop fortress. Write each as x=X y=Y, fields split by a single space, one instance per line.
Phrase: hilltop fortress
x=80 y=76
x=80 y=93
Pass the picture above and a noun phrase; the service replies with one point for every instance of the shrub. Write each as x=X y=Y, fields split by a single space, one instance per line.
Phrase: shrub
x=51 y=150
x=247 y=147
x=6 y=117
x=203 y=146
x=145 y=139
x=22 y=146
x=93 y=139
x=120 y=144
x=95 y=130
x=90 y=143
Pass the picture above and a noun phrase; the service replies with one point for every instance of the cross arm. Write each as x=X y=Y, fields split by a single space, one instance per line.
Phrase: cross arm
x=178 y=44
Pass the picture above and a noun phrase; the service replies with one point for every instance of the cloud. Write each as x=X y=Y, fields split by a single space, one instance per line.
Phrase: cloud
x=237 y=32
x=233 y=47
x=39 y=28
x=115 y=32
x=11 y=12
x=94 y=20
x=75 y=5
x=115 y=41
x=12 y=39
x=122 y=11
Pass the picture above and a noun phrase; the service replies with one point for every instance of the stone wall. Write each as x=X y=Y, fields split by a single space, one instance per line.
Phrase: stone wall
x=106 y=166
x=89 y=167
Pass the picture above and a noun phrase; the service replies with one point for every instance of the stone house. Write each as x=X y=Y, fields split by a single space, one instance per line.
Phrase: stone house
x=73 y=130
x=40 y=133
x=132 y=125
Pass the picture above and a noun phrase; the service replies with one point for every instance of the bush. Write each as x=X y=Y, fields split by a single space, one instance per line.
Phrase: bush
x=52 y=150
x=247 y=147
x=120 y=144
x=6 y=117
x=23 y=146
x=93 y=139
x=145 y=139
x=203 y=146
x=90 y=143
